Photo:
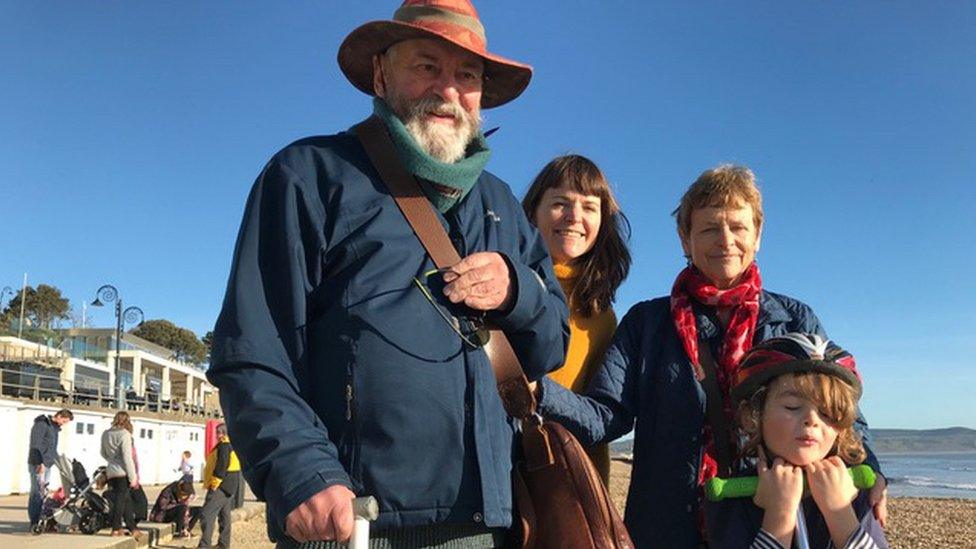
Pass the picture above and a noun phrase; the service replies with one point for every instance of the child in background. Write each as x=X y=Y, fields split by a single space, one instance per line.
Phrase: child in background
x=186 y=468
x=797 y=397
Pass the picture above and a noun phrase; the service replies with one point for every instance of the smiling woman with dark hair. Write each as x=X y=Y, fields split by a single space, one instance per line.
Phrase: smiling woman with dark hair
x=653 y=379
x=572 y=205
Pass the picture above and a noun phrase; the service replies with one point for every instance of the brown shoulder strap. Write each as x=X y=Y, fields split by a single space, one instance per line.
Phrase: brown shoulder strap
x=715 y=410
x=512 y=385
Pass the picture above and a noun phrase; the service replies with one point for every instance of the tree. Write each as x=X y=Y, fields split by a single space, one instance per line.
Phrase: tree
x=182 y=341
x=208 y=342
x=44 y=306
x=80 y=319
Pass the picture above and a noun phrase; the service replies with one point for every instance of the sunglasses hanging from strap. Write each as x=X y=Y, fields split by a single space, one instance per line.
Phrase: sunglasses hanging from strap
x=512 y=384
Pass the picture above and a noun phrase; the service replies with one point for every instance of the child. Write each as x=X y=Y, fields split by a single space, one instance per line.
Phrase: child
x=797 y=398
x=186 y=468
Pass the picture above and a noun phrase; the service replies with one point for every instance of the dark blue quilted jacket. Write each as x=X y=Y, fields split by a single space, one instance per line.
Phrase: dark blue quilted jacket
x=333 y=366
x=648 y=379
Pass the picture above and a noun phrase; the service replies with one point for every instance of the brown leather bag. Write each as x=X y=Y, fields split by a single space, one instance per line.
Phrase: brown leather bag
x=562 y=501
x=560 y=497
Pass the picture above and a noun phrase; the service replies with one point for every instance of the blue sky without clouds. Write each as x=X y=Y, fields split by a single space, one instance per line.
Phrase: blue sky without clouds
x=132 y=132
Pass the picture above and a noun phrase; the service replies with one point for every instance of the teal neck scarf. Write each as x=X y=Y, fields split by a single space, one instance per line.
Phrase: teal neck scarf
x=444 y=184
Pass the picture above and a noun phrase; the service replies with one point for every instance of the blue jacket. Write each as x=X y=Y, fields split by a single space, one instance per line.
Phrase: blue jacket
x=647 y=377
x=735 y=523
x=43 y=441
x=334 y=368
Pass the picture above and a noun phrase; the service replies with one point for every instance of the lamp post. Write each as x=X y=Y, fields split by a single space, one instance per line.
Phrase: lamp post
x=107 y=294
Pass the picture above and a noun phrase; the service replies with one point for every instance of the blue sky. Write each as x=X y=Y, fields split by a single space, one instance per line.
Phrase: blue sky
x=132 y=132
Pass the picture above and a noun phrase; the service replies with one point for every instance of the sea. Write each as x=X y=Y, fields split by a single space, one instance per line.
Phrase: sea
x=930 y=475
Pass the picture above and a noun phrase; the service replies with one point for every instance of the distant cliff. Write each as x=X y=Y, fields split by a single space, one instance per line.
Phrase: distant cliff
x=889 y=441
x=953 y=439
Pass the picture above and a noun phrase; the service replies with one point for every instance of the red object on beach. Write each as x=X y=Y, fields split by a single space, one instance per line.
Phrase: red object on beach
x=210 y=435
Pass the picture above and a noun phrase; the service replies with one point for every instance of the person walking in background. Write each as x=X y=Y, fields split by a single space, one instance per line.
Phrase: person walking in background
x=221 y=476
x=121 y=473
x=42 y=452
x=186 y=468
x=572 y=205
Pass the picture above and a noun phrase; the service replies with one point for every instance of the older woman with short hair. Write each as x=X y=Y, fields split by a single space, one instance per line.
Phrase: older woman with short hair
x=653 y=373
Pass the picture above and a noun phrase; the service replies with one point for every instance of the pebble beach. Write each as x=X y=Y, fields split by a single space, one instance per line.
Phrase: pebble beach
x=912 y=522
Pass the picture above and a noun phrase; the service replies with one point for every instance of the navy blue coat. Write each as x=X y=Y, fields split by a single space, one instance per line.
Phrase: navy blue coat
x=647 y=377
x=334 y=368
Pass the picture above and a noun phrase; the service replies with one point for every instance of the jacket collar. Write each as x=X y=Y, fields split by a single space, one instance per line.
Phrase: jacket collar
x=770 y=311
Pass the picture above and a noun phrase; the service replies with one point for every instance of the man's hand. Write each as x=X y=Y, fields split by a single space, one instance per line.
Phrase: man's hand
x=134 y=485
x=878 y=497
x=326 y=516
x=40 y=469
x=481 y=281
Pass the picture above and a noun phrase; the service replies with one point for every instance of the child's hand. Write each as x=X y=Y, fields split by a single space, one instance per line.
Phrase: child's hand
x=778 y=494
x=830 y=484
x=833 y=490
x=780 y=486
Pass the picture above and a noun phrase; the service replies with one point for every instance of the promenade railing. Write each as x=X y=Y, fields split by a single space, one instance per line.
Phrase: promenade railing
x=28 y=380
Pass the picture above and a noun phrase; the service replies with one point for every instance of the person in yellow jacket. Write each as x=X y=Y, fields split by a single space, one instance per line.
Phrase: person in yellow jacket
x=571 y=204
x=221 y=477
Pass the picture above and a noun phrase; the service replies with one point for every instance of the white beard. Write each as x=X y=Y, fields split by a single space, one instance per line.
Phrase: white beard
x=444 y=142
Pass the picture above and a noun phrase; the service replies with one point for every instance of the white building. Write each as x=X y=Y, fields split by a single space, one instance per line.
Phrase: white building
x=169 y=402
x=84 y=365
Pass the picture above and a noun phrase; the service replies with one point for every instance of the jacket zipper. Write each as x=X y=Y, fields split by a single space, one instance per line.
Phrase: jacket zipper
x=349 y=401
x=354 y=473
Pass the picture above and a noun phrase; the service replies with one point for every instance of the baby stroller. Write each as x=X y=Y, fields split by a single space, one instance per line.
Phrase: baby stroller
x=76 y=504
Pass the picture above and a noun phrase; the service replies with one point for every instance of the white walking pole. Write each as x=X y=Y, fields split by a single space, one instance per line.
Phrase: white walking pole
x=364 y=510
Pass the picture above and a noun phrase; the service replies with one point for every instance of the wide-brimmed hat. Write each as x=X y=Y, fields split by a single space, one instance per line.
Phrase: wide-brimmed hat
x=792 y=353
x=455 y=21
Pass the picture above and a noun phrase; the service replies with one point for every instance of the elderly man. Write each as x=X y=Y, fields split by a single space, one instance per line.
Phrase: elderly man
x=346 y=363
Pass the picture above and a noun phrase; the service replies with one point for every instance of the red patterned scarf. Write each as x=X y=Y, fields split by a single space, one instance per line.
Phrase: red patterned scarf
x=743 y=299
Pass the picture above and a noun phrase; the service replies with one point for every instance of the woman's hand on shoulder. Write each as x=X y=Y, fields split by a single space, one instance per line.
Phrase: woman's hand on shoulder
x=878 y=497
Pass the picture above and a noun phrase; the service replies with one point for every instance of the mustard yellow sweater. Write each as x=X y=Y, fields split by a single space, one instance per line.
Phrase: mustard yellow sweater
x=589 y=338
